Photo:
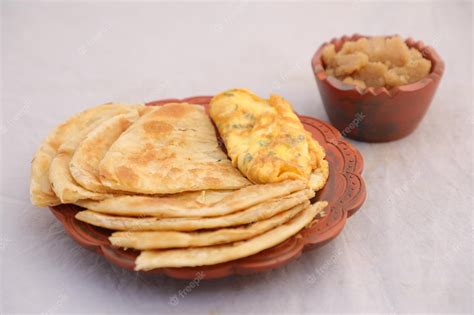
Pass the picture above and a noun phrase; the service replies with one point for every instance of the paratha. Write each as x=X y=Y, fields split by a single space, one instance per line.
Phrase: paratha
x=200 y=256
x=171 y=149
x=64 y=185
x=257 y=212
x=41 y=192
x=170 y=207
x=173 y=239
x=266 y=140
x=84 y=164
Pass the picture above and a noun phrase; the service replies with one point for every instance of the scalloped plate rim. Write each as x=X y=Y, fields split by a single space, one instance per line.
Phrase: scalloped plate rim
x=236 y=267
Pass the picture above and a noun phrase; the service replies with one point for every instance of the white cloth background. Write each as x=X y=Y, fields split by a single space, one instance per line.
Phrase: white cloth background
x=409 y=249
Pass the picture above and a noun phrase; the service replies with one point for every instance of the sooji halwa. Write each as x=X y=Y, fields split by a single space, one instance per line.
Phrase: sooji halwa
x=376 y=62
x=157 y=176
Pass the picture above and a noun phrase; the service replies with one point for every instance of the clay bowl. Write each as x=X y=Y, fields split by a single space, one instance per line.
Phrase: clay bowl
x=377 y=114
x=344 y=191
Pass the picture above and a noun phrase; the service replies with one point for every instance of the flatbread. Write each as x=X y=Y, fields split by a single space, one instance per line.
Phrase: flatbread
x=64 y=185
x=174 y=207
x=173 y=239
x=41 y=192
x=171 y=149
x=84 y=165
x=260 y=211
x=203 y=197
x=190 y=257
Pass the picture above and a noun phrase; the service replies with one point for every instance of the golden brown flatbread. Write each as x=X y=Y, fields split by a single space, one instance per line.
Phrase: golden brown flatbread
x=171 y=149
x=41 y=192
x=255 y=213
x=174 y=239
x=171 y=207
x=64 y=185
x=84 y=164
x=200 y=256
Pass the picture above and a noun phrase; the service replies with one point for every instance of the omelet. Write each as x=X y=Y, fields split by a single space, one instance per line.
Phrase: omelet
x=265 y=139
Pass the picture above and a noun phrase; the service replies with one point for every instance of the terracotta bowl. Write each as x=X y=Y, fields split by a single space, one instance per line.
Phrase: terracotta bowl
x=377 y=114
x=344 y=191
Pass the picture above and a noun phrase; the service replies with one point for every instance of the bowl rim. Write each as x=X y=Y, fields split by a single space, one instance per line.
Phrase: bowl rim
x=437 y=68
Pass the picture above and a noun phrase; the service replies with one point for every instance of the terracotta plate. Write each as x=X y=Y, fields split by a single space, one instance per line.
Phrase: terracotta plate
x=345 y=192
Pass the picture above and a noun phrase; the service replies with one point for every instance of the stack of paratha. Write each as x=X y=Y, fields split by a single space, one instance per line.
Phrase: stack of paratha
x=157 y=177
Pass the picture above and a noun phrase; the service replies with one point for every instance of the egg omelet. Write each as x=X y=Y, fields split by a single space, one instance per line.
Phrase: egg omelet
x=265 y=139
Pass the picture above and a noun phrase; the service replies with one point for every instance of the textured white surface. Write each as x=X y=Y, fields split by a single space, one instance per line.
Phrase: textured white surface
x=409 y=249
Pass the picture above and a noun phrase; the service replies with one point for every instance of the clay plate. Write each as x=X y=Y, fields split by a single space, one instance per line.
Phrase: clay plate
x=344 y=191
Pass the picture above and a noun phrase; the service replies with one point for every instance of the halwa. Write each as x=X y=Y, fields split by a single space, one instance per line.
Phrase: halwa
x=375 y=62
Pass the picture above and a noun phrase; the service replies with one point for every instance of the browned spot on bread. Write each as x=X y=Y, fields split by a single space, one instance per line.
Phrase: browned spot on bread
x=124 y=124
x=104 y=173
x=157 y=128
x=126 y=175
x=212 y=181
x=175 y=111
x=150 y=154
